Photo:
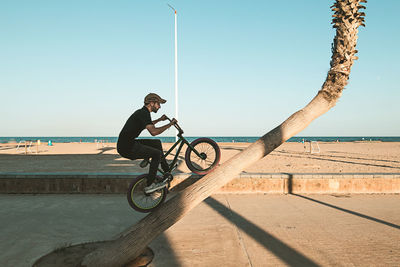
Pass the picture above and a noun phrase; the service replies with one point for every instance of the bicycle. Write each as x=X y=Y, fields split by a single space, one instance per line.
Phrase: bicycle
x=202 y=156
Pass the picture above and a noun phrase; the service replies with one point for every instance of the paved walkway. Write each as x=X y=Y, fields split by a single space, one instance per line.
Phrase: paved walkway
x=225 y=230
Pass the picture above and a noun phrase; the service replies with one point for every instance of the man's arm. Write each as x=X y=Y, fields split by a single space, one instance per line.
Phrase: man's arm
x=153 y=130
x=162 y=118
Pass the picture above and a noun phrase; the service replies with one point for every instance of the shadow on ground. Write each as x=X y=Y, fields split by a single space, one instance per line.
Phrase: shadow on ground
x=83 y=163
x=337 y=159
x=286 y=253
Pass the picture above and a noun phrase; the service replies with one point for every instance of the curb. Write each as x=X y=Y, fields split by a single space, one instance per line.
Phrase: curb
x=277 y=183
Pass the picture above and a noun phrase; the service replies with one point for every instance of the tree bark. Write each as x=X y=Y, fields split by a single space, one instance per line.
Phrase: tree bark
x=347 y=19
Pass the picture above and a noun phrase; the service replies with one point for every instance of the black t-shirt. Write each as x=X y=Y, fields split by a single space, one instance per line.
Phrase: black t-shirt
x=136 y=123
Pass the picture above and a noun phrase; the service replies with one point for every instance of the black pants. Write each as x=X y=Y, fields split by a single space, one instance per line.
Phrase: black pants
x=149 y=149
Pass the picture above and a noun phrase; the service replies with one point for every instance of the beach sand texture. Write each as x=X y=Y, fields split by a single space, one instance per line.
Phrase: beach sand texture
x=352 y=157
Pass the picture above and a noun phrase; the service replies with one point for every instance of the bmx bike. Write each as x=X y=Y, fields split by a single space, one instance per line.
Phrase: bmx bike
x=202 y=156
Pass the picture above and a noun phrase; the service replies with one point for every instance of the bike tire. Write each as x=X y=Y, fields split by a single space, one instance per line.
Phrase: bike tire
x=139 y=200
x=210 y=149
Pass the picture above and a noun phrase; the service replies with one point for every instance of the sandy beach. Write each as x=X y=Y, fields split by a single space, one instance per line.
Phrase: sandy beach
x=352 y=157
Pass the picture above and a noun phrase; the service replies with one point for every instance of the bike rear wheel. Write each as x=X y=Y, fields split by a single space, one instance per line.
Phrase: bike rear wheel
x=139 y=200
x=209 y=152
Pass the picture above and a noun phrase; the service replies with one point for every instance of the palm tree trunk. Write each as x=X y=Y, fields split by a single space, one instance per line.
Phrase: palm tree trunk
x=347 y=19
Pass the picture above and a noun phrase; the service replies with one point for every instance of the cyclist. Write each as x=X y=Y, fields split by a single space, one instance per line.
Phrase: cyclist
x=128 y=146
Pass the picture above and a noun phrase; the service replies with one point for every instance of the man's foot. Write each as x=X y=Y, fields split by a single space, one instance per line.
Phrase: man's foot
x=154 y=187
x=144 y=163
x=166 y=176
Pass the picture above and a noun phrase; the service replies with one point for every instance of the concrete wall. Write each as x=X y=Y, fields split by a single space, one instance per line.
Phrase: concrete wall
x=316 y=184
x=278 y=183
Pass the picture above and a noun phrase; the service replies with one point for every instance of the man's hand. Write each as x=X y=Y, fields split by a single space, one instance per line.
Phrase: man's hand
x=162 y=118
x=158 y=130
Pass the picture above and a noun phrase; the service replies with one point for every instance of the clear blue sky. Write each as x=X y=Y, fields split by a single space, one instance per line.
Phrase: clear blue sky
x=80 y=68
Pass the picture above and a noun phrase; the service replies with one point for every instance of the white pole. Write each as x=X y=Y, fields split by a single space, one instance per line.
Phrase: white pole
x=176 y=70
x=176 y=74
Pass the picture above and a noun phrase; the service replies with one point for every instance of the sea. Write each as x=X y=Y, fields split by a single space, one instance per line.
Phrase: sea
x=224 y=139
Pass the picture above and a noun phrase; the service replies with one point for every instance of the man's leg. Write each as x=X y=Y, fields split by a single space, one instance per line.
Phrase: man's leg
x=150 y=148
x=156 y=143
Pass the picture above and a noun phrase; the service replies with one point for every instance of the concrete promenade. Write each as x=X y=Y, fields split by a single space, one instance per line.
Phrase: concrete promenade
x=224 y=230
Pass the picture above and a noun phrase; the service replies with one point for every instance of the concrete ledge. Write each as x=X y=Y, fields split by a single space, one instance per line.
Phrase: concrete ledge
x=278 y=183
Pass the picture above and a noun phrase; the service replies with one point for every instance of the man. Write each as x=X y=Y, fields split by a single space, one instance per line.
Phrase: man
x=130 y=147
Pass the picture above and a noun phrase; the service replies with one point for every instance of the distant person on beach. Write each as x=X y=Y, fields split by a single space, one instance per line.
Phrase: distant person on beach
x=130 y=147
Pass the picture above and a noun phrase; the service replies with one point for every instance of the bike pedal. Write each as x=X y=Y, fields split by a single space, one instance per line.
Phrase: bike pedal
x=168 y=186
x=144 y=163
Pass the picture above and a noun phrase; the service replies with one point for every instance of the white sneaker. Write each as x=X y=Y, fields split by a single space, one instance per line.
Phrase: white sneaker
x=154 y=187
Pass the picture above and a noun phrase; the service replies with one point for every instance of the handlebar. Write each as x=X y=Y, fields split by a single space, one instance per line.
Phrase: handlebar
x=176 y=126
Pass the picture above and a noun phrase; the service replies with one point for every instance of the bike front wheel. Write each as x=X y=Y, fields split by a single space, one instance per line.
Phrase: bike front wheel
x=139 y=200
x=207 y=156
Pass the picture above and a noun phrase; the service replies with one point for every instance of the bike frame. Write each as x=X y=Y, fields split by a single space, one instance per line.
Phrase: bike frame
x=181 y=141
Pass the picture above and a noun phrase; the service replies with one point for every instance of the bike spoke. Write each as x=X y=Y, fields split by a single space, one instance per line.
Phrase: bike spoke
x=203 y=157
x=208 y=150
x=145 y=201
